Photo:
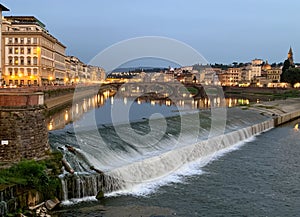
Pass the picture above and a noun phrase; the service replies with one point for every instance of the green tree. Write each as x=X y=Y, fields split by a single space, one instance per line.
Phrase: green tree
x=291 y=75
x=286 y=65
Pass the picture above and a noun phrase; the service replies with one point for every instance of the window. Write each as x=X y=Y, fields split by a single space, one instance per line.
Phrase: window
x=10 y=60
x=16 y=82
x=16 y=61
x=34 y=40
x=34 y=71
x=28 y=50
x=16 y=50
x=10 y=50
x=10 y=71
x=22 y=50
x=28 y=40
x=34 y=50
x=28 y=72
x=10 y=40
x=22 y=60
x=34 y=60
x=28 y=60
x=16 y=40
x=22 y=40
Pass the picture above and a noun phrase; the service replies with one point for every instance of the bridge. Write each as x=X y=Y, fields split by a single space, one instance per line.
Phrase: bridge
x=172 y=90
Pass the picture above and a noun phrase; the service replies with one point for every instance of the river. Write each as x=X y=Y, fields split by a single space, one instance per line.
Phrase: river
x=252 y=174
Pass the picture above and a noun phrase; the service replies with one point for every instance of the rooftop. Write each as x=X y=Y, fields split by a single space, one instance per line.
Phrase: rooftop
x=25 y=20
x=3 y=8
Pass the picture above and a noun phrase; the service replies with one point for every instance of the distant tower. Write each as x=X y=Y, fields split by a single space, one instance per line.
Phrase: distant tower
x=290 y=56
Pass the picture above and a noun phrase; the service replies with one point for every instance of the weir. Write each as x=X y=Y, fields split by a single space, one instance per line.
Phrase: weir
x=78 y=185
x=82 y=184
x=140 y=164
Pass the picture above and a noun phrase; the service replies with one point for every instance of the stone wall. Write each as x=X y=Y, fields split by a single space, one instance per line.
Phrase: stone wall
x=16 y=197
x=23 y=133
x=8 y=98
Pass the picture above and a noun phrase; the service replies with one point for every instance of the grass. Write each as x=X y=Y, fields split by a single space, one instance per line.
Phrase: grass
x=38 y=175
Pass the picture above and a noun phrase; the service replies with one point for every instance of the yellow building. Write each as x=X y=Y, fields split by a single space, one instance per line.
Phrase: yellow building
x=231 y=77
x=31 y=56
x=273 y=74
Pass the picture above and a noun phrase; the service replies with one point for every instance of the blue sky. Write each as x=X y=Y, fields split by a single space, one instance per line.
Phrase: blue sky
x=222 y=31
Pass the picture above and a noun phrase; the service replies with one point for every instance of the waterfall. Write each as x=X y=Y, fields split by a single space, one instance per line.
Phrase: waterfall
x=157 y=167
x=85 y=184
x=81 y=185
x=3 y=208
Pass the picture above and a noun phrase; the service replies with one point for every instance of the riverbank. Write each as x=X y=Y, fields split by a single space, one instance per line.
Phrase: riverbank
x=261 y=93
x=28 y=183
x=282 y=111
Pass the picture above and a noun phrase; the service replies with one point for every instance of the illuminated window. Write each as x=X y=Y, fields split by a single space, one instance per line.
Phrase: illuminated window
x=22 y=50
x=16 y=60
x=16 y=50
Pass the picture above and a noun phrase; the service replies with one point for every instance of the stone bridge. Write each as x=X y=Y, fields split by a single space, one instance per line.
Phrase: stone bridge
x=172 y=90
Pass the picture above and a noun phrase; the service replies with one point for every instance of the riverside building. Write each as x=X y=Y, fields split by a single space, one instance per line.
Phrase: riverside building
x=30 y=54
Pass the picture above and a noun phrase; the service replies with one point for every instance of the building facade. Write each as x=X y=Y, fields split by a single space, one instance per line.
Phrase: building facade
x=31 y=56
x=231 y=77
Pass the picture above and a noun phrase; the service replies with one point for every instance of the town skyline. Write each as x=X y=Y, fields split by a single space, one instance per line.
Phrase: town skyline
x=234 y=31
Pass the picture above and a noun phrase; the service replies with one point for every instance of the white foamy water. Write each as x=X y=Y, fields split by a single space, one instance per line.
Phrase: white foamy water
x=139 y=168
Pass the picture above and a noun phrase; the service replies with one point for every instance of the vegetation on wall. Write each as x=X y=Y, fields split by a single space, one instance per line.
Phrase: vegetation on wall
x=39 y=175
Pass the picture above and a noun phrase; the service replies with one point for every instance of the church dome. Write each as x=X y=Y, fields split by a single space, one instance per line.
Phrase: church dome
x=266 y=66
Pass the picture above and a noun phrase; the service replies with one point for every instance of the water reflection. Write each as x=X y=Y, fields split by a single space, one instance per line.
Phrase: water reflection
x=70 y=114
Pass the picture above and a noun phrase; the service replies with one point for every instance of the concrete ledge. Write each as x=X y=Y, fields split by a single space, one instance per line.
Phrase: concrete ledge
x=284 y=118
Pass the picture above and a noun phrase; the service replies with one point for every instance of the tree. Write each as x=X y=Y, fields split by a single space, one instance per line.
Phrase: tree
x=291 y=75
x=286 y=65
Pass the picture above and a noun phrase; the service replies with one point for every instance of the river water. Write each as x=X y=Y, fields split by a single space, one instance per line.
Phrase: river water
x=248 y=176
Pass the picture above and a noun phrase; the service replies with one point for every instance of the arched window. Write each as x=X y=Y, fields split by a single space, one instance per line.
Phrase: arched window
x=28 y=60
x=22 y=60
x=16 y=61
x=10 y=60
x=28 y=72
x=34 y=60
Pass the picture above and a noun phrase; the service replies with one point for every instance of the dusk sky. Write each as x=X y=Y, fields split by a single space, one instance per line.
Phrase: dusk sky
x=222 y=31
